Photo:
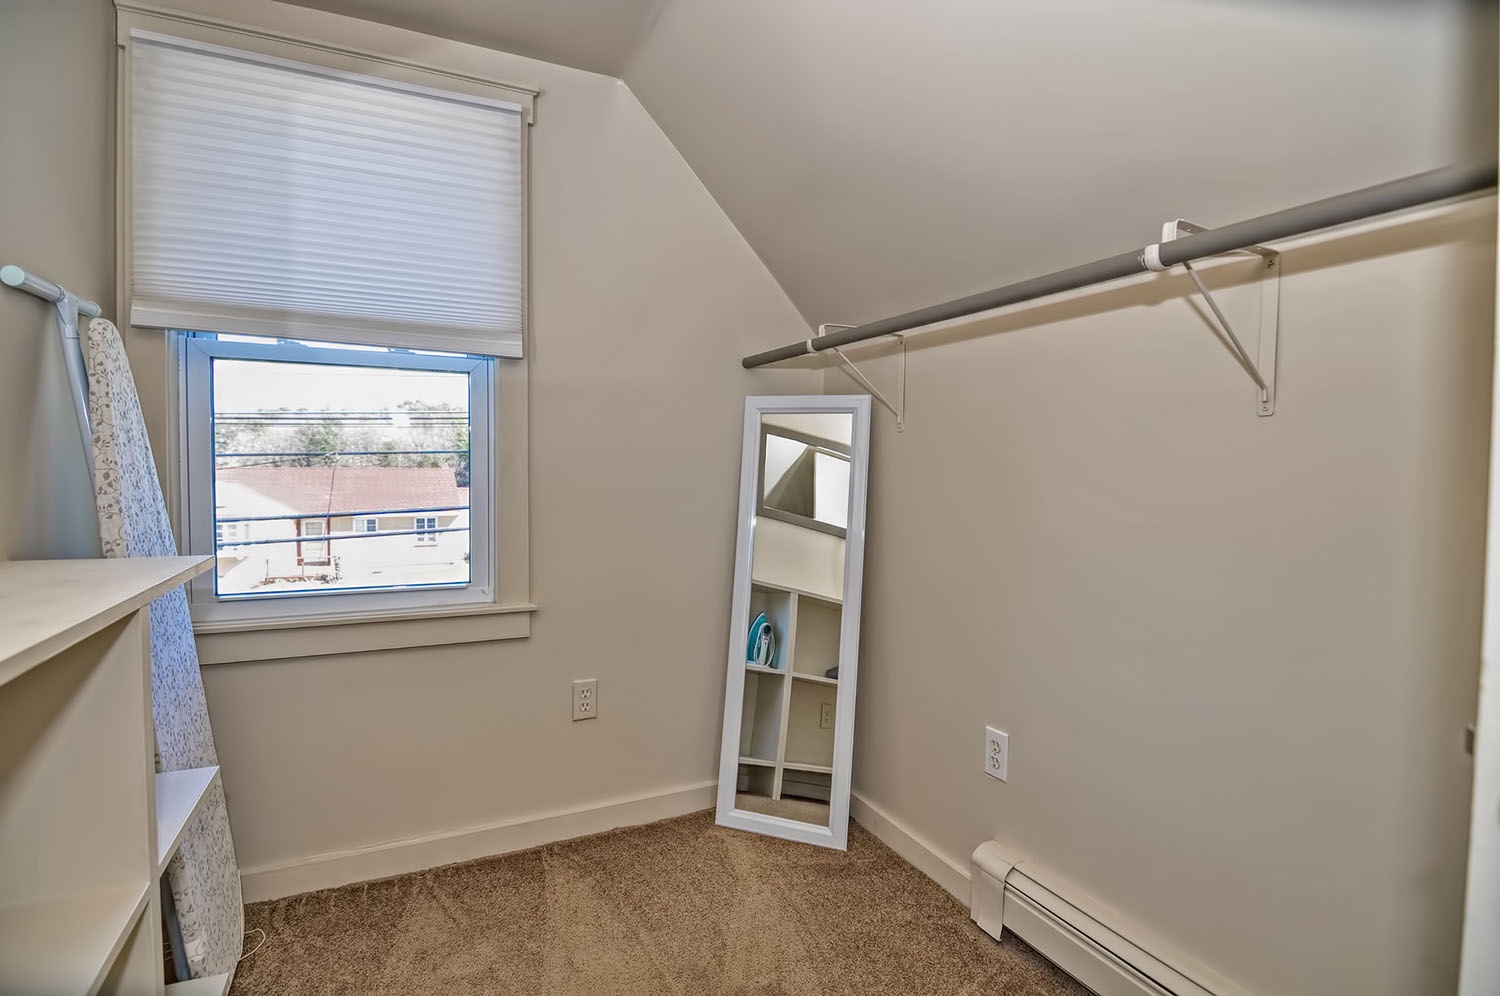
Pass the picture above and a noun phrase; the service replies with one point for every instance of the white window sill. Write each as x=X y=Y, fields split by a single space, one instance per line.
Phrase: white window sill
x=229 y=642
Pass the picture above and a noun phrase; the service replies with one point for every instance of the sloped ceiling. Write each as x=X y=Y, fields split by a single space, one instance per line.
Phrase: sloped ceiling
x=882 y=156
x=596 y=35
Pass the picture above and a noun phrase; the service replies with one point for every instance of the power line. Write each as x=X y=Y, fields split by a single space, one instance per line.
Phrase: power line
x=339 y=515
x=339 y=453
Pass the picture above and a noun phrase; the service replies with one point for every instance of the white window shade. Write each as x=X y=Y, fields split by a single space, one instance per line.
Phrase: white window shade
x=271 y=197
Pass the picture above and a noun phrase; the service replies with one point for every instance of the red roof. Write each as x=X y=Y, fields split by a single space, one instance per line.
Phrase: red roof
x=325 y=490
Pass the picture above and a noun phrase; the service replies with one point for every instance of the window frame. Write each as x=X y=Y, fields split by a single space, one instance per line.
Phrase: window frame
x=199 y=510
x=373 y=50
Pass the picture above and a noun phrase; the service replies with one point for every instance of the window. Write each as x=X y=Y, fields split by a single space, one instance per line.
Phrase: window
x=426 y=527
x=334 y=245
x=228 y=535
x=313 y=443
x=312 y=553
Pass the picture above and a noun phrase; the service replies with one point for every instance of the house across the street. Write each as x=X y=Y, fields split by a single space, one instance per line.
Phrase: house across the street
x=400 y=525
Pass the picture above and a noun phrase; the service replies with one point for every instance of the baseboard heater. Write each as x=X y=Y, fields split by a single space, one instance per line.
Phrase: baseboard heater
x=1005 y=896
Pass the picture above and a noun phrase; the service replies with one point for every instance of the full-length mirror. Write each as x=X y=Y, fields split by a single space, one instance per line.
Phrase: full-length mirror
x=784 y=765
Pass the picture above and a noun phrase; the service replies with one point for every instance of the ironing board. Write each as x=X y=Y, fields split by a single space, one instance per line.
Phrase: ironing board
x=203 y=878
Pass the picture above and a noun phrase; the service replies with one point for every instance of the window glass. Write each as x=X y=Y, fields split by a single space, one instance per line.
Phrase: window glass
x=326 y=450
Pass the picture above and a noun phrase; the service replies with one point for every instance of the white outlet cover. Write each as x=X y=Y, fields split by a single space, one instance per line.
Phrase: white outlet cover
x=585 y=698
x=996 y=753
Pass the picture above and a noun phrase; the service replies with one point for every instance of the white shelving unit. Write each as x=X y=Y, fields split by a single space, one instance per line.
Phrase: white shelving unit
x=213 y=985
x=179 y=796
x=784 y=749
x=86 y=825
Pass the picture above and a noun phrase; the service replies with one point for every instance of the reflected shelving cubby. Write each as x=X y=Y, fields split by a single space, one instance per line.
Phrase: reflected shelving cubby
x=817 y=637
x=785 y=750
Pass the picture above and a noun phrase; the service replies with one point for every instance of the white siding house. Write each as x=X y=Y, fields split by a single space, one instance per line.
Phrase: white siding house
x=295 y=528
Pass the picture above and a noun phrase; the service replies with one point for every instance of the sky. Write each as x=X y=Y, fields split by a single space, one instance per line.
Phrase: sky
x=248 y=385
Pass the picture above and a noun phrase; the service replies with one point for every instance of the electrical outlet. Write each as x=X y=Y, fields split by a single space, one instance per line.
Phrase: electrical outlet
x=825 y=717
x=585 y=698
x=996 y=752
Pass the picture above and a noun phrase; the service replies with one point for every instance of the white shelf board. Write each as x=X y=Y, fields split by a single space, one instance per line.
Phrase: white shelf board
x=818 y=678
x=821 y=769
x=799 y=592
x=179 y=794
x=208 y=985
x=49 y=605
x=762 y=669
x=758 y=762
x=66 y=945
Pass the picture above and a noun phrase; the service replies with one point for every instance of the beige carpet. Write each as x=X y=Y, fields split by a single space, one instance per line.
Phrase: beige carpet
x=680 y=907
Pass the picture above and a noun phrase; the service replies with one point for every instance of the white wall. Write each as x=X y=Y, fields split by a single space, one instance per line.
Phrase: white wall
x=1480 y=971
x=56 y=219
x=643 y=296
x=597 y=35
x=798 y=557
x=882 y=156
x=1235 y=655
x=825 y=425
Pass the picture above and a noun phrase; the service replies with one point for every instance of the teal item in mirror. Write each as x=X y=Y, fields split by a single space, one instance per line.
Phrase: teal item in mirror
x=761 y=648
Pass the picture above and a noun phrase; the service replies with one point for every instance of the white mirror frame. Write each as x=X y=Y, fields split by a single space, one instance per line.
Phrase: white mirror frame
x=836 y=834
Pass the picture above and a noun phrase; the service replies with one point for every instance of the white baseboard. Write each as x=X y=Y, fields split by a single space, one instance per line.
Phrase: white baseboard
x=1077 y=936
x=323 y=871
x=912 y=847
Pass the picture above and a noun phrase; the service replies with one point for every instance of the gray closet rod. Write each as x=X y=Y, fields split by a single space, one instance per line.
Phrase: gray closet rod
x=1437 y=185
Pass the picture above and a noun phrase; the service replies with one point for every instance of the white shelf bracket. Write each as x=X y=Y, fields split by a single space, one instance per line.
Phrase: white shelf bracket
x=899 y=408
x=1262 y=366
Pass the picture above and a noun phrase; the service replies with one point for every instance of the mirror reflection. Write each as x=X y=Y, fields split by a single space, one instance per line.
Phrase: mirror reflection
x=804 y=475
x=791 y=683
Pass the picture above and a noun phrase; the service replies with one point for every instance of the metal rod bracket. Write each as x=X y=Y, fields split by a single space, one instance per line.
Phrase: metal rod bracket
x=1261 y=367
x=69 y=309
x=899 y=408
